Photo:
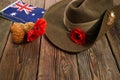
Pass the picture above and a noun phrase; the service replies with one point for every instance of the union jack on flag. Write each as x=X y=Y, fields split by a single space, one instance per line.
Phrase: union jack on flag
x=22 y=12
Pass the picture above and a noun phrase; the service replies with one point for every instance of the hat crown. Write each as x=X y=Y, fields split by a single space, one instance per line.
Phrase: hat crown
x=85 y=13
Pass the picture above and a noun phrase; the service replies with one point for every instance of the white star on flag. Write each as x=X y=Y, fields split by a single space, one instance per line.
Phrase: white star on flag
x=33 y=14
x=13 y=14
x=43 y=12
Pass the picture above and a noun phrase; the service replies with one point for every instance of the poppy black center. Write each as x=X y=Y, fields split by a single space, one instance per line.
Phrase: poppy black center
x=77 y=37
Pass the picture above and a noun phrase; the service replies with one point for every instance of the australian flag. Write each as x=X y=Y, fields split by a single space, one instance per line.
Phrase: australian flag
x=22 y=12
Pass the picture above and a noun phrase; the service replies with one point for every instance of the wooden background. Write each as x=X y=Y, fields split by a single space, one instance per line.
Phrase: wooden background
x=40 y=60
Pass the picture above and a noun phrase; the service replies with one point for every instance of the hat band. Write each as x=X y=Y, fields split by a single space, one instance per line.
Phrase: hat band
x=83 y=26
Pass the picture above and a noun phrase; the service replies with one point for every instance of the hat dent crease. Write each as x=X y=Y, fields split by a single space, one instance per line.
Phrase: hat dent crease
x=66 y=15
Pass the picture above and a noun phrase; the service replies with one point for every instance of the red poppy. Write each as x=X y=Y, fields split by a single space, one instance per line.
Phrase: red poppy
x=77 y=36
x=38 y=30
x=40 y=26
x=32 y=35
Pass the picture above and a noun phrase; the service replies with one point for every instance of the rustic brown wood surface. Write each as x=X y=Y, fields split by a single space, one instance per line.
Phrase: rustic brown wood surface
x=40 y=60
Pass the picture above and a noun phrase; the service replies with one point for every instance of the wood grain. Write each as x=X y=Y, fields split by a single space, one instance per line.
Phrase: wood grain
x=55 y=64
x=4 y=31
x=4 y=3
x=98 y=63
x=49 y=3
x=114 y=40
x=19 y=62
x=4 y=25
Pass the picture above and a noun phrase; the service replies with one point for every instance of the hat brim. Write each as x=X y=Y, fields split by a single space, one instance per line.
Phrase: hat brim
x=57 y=33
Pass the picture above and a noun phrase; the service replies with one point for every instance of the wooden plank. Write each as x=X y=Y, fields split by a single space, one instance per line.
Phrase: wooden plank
x=49 y=3
x=4 y=3
x=20 y=62
x=114 y=40
x=55 y=64
x=98 y=63
x=4 y=25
